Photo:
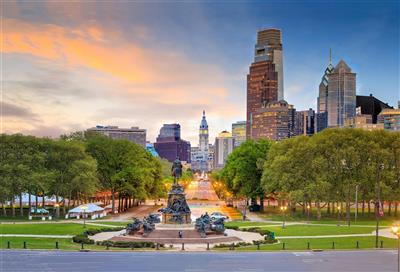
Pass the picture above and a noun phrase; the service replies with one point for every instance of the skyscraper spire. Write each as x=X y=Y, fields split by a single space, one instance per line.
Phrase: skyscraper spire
x=204 y=113
x=330 y=55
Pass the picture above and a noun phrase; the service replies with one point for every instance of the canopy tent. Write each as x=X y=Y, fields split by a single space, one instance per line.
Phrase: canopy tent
x=90 y=209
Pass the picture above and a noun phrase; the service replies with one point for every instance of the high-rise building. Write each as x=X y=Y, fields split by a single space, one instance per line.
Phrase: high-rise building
x=239 y=132
x=200 y=155
x=169 y=144
x=292 y=121
x=133 y=134
x=170 y=131
x=224 y=145
x=271 y=122
x=305 y=122
x=370 y=105
x=265 y=78
x=322 y=100
x=341 y=102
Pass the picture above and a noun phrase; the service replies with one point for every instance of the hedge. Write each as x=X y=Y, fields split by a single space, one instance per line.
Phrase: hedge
x=126 y=244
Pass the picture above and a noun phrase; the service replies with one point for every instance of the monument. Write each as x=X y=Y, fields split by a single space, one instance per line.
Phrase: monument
x=177 y=210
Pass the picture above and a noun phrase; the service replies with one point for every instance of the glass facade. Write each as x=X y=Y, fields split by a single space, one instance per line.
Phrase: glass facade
x=341 y=101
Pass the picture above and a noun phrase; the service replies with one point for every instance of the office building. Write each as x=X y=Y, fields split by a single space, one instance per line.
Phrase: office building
x=133 y=134
x=305 y=122
x=271 y=122
x=224 y=145
x=239 y=132
x=169 y=144
x=265 y=78
x=322 y=100
x=341 y=101
x=370 y=105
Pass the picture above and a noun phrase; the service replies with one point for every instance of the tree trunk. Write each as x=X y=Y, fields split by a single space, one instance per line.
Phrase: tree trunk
x=21 y=207
x=261 y=204
x=43 y=201
x=328 y=208
x=4 y=209
x=30 y=203
x=113 y=202
x=318 y=210
x=64 y=208
x=369 y=208
x=390 y=208
x=12 y=206
x=396 y=204
x=363 y=208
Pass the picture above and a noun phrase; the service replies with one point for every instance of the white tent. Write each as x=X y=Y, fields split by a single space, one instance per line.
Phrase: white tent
x=89 y=209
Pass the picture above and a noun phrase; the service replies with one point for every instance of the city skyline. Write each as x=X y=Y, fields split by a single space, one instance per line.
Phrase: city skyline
x=64 y=62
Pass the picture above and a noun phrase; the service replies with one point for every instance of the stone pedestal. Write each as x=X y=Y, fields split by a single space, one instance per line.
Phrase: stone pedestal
x=177 y=210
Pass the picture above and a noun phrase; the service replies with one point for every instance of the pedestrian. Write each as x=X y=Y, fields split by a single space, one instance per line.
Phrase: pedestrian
x=180 y=233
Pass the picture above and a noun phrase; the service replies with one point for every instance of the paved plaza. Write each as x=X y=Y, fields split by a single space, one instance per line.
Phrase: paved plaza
x=373 y=260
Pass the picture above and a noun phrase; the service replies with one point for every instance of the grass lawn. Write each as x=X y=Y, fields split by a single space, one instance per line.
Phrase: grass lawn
x=50 y=243
x=325 y=243
x=45 y=228
x=274 y=214
x=306 y=230
x=120 y=224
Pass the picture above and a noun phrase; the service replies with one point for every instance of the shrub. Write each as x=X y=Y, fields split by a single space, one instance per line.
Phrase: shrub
x=127 y=244
x=81 y=238
x=232 y=227
x=91 y=232
x=240 y=244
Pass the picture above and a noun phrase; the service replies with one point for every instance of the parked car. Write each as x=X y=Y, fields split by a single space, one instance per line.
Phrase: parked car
x=218 y=215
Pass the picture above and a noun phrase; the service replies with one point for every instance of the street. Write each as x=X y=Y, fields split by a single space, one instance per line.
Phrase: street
x=371 y=260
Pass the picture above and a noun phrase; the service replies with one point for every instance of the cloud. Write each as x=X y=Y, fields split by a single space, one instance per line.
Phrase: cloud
x=16 y=111
x=91 y=74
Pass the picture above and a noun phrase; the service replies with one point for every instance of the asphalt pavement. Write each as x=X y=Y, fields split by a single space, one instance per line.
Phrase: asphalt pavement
x=365 y=261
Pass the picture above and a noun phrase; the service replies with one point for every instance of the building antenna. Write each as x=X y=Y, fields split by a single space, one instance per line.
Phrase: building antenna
x=330 y=55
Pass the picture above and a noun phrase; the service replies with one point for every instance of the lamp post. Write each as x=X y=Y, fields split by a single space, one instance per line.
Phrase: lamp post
x=338 y=213
x=396 y=231
x=378 y=211
x=308 y=212
x=84 y=208
x=283 y=209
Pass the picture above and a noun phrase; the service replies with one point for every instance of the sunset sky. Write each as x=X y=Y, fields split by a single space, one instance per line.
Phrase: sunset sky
x=71 y=66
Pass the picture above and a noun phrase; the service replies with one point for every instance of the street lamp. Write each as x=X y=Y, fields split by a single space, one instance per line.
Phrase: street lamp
x=396 y=231
x=283 y=209
x=84 y=208
x=308 y=212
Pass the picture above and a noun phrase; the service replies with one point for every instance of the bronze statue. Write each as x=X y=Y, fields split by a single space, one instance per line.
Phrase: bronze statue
x=176 y=170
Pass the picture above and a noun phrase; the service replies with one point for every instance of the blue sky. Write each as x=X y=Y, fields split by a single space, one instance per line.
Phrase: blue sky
x=147 y=64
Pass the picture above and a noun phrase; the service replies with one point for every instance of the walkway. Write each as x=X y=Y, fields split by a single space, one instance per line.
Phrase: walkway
x=36 y=235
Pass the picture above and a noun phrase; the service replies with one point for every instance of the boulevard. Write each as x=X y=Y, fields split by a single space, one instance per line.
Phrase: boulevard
x=371 y=260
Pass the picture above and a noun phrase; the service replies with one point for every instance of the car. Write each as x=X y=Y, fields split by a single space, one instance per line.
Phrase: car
x=218 y=215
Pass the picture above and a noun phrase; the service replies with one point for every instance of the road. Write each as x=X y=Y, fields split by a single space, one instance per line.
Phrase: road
x=13 y=261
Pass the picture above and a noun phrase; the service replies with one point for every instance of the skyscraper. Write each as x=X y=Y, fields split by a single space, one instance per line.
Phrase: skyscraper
x=169 y=144
x=341 y=102
x=272 y=121
x=322 y=100
x=239 y=132
x=223 y=146
x=200 y=155
x=305 y=122
x=265 y=78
